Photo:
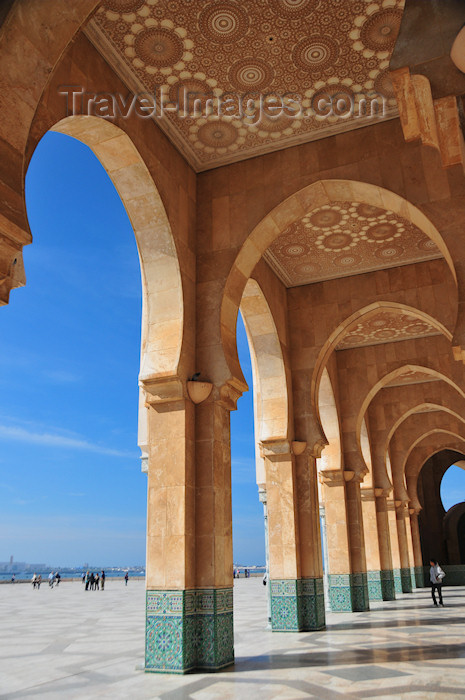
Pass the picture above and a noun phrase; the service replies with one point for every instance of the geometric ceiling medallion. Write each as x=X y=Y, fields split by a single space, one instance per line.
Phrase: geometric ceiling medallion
x=223 y=22
x=385 y=326
x=346 y=238
x=311 y=51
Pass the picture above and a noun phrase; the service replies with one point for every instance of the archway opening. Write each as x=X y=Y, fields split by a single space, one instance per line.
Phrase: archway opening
x=69 y=374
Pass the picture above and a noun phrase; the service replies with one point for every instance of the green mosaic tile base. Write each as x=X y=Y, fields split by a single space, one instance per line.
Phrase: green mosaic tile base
x=397 y=581
x=375 y=591
x=419 y=577
x=189 y=630
x=348 y=592
x=360 y=598
x=297 y=605
x=405 y=580
x=387 y=585
x=412 y=577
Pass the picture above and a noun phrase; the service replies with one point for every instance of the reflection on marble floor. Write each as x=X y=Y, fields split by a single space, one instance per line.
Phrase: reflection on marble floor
x=67 y=643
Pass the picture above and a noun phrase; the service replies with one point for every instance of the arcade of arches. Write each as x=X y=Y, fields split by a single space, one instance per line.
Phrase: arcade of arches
x=341 y=242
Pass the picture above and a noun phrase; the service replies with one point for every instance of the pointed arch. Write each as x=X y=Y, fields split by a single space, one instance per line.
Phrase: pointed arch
x=162 y=294
x=288 y=212
x=271 y=401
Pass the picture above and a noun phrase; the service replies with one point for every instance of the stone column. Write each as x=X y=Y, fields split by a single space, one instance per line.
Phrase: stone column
x=411 y=558
x=311 y=561
x=170 y=577
x=189 y=624
x=396 y=565
x=417 y=553
x=360 y=599
x=297 y=603
x=342 y=585
x=384 y=541
x=370 y=528
x=262 y=498
x=405 y=577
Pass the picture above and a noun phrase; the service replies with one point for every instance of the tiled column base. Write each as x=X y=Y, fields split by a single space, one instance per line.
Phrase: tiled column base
x=387 y=585
x=419 y=577
x=406 y=581
x=381 y=585
x=375 y=591
x=297 y=605
x=348 y=592
x=397 y=581
x=412 y=577
x=189 y=630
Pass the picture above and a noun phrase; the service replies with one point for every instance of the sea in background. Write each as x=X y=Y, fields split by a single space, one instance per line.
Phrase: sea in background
x=109 y=573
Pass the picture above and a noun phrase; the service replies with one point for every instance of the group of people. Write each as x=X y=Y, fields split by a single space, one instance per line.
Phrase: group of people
x=237 y=573
x=93 y=581
x=53 y=578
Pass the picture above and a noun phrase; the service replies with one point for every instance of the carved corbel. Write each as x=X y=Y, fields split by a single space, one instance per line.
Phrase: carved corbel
x=230 y=393
x=275 y=450
x=161 y=390
x=331 y=477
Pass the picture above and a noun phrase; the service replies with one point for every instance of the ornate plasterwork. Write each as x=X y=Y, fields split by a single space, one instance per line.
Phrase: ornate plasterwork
x=346 y=238
x=385 y=327
x=306 y=48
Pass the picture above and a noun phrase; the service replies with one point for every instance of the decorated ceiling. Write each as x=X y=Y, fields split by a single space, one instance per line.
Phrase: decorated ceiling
x=346 y=238
x=385 y=327
x=325 y=55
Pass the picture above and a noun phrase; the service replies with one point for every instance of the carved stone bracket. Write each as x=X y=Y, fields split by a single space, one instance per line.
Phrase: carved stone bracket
x=331 y=477
x=230 y=393
x=161 y=390
x=276 y=450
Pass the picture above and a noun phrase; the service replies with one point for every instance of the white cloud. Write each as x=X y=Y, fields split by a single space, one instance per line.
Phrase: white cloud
x=17 y=434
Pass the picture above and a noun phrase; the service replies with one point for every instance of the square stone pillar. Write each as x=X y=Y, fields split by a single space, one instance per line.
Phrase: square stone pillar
x=384 y=541
x=375 y=579
x=297 y=601
x=189 y=623
x=405 y=575
x=417 y=553
x=348 y=590
x=396 y=565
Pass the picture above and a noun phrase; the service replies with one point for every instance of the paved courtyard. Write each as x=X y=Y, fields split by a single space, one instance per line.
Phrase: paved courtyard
x=66 y=643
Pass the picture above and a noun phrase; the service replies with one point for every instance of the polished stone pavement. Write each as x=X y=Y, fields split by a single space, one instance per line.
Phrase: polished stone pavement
x=66 y=643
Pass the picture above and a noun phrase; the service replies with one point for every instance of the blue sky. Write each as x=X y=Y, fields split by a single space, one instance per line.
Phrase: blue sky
x=71 y=490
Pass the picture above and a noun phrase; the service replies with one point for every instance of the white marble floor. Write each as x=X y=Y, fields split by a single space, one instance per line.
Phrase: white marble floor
x=68 y=644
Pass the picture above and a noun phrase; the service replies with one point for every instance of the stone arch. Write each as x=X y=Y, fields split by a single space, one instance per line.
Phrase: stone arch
x=418 y=409
x=394 y=375
x=371 y=310
x=451 y=522
x=162 y=294
x=419 y=455
x=286 y=213
x=271 y=400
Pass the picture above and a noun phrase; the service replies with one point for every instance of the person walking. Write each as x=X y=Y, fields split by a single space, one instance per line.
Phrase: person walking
x=57 y=578
x=91 y=581
x=34 y=581
x=126 y=578
x=436 y=575
x=102 y=580
x=96 y=581
x=51 y=579
x=39 y=580
x=87 y=579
